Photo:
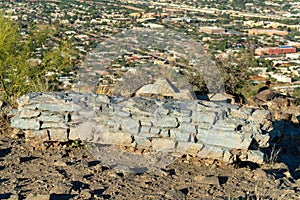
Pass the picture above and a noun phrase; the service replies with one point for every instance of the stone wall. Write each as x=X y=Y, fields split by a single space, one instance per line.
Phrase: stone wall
x=219 y=131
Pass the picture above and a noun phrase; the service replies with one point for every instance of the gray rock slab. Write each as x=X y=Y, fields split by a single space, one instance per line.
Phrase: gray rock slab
x=204 y=117
x=162 y=111
x=24 y=100
x=136 y=111
x=229 y=124
x=87 y=114
x=102 y=99
x=164 y=132
x=115 y=138
x=123 y=113
x=84 y=131
x=55 y=107
x=211 y=152
x=29 y=124
x=165 y=122
x=57 y=134
x=188 y=147
x=246 y=111
x=154 y=130
x=145 y=121
x=228 y=157
x=180 y=136
x=33 y=106
x=47 y=117
x=182 y=113
x=251 y=127
x=13 y=112
x=163 y=144
x=76 y=118
x=143 y=143
x=145 y=129
x=27 y=114
x=203 y=125
x=228 y=139
x=130 y=125
x=184 y=119
x=187 y=128
x=37 y=135
x=262 y=140
x=260 y=116
x=253 y=156
x=47 y=125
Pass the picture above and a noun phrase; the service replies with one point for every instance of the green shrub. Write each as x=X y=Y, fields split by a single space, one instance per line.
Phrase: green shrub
x=19 y=71
x=297 y=94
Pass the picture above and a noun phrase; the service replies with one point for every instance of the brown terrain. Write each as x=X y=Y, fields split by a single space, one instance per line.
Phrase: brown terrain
x=58 y=171
x=68 y=171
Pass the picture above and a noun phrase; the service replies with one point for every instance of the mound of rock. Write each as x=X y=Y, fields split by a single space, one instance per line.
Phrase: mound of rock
x=283 y=107
x=285 y=114
x=206 y=129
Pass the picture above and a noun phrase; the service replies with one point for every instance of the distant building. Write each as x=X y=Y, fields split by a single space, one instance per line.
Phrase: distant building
x=270 y=32
x=295 y=44
x=212 y=30
x=173 y=10
x=153 y=26
x=257 y=79
x=282 y=78
x=135 y=14
x=124 y=19
x=275 y=50
x=294 y=56
x=146 y=20
x=149 y=15
x=234 y=32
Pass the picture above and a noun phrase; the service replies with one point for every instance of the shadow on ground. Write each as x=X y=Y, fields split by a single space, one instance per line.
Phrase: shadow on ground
x=285 y=143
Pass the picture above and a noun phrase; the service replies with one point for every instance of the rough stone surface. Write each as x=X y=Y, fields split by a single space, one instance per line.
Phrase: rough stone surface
x=39 y=135
x=224 y=138
x=180 y=136
x=189 y=148
x=58 y=134
x=166 y=122
x=200 y=128
x=29 y=113
x=130 y=125
x=211 y=180
x=30 y=124
x=204 y=117
x=38 y=197
x=163 y=144
x=254 y=156
x=212 y=152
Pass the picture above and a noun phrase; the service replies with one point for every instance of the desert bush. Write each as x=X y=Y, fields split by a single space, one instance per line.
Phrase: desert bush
x=296 y=94
x=235 y=71
x=31 y=64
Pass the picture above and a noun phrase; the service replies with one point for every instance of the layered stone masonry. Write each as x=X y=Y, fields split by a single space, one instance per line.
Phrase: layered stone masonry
x=218 y=131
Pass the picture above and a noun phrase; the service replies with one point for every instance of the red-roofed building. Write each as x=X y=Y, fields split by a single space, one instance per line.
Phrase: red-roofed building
x=274 y=50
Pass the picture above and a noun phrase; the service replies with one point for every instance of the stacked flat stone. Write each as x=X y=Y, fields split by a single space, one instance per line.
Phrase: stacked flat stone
x=218 y=131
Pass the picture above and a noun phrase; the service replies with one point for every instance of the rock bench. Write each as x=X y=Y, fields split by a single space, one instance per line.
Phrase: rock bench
x=210 y=130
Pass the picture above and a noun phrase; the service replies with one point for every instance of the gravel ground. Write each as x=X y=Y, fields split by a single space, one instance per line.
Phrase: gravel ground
x=59 y=171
